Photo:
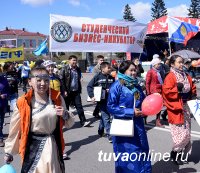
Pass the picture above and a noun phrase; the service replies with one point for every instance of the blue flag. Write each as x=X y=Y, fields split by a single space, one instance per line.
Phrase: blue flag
x=179 y=31
x=42 y=48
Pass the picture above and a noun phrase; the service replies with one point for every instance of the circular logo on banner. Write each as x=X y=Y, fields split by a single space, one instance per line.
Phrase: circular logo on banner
x=61 y=31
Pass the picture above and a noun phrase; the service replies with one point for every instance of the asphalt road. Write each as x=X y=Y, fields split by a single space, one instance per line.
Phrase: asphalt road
x=83 y=145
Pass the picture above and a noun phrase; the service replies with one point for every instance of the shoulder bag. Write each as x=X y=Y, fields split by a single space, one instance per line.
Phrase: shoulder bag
x=123 y=127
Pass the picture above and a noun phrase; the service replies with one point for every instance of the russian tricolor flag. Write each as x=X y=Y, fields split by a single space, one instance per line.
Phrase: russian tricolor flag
x=179 y=31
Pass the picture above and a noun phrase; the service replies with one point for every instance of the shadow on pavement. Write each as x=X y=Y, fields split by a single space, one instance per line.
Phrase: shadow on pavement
x=151 y=124
x=78 y=125
x=89 y=105
x=169 y=167
x=195 y=156
x=77 y=144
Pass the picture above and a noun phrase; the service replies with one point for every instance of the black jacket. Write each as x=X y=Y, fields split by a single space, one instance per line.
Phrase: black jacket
x=12 y=77
x=164 y=70
x=100 y=80
x=65 y=76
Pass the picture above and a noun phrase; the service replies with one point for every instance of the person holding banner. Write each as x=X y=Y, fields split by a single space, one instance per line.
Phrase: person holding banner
x=178 y=88
x=121 y=105
x=36 y=127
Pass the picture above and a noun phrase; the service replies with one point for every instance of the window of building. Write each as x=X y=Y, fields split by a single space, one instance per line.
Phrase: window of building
x=19 y=42
x=33 y=43
x=27 y=43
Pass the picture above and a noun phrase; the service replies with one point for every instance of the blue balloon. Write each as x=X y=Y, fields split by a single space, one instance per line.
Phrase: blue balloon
x=7 y=168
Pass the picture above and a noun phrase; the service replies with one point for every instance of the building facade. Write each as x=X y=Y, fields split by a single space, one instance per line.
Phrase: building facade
x=16 y=38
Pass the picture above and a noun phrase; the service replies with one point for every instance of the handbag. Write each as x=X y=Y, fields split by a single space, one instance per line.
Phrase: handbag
x=122 y=127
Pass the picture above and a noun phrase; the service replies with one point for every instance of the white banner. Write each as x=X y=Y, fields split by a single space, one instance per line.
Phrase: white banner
x=81 y=34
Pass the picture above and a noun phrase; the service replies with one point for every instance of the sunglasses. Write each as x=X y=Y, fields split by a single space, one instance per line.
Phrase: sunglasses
x=40 y=77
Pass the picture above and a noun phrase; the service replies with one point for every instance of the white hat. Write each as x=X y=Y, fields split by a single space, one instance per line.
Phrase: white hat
x=155 y=56
x=48 y=62
x=155 y=61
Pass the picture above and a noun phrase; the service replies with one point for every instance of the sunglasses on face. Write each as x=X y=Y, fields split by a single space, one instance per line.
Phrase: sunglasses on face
x=39 y=78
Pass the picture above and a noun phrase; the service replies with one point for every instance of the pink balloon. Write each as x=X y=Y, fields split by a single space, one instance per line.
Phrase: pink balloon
x=194 y=63
x=152 y=104
x=198 y=61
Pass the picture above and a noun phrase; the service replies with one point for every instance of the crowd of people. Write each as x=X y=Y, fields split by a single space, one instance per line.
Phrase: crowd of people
x=39 y=115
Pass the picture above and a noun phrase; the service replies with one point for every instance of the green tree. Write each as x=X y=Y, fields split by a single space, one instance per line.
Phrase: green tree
x=158 y=9
x=128 y=16
x=194 y=10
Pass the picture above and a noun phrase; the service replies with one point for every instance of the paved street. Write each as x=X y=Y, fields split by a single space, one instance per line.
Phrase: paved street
x=83 y=145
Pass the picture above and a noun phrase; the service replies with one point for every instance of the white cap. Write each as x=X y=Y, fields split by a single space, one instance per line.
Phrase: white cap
x=155 y=56
x=155 y=61
x=48 y=62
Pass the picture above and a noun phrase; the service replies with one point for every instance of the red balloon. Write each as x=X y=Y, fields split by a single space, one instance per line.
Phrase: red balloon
x=152 y=104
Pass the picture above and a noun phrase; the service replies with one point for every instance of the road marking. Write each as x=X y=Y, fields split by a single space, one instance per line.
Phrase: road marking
x=167 y=127
x=88 y=112
x=152 y=126
x=168 y=130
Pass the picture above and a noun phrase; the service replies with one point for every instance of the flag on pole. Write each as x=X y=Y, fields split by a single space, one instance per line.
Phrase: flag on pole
x=180 y=31
x=42 y=48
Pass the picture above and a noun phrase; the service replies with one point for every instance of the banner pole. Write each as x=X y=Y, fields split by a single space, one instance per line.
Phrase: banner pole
x=140 y=56
x=170 y=51
x=51 y=57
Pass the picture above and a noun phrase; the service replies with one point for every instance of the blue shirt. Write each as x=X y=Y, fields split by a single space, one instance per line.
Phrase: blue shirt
x=74 y=80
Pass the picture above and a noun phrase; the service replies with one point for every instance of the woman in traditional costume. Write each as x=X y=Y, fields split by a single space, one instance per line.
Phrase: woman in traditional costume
x=178 y=88
x=36 y=127
x=120 y=104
